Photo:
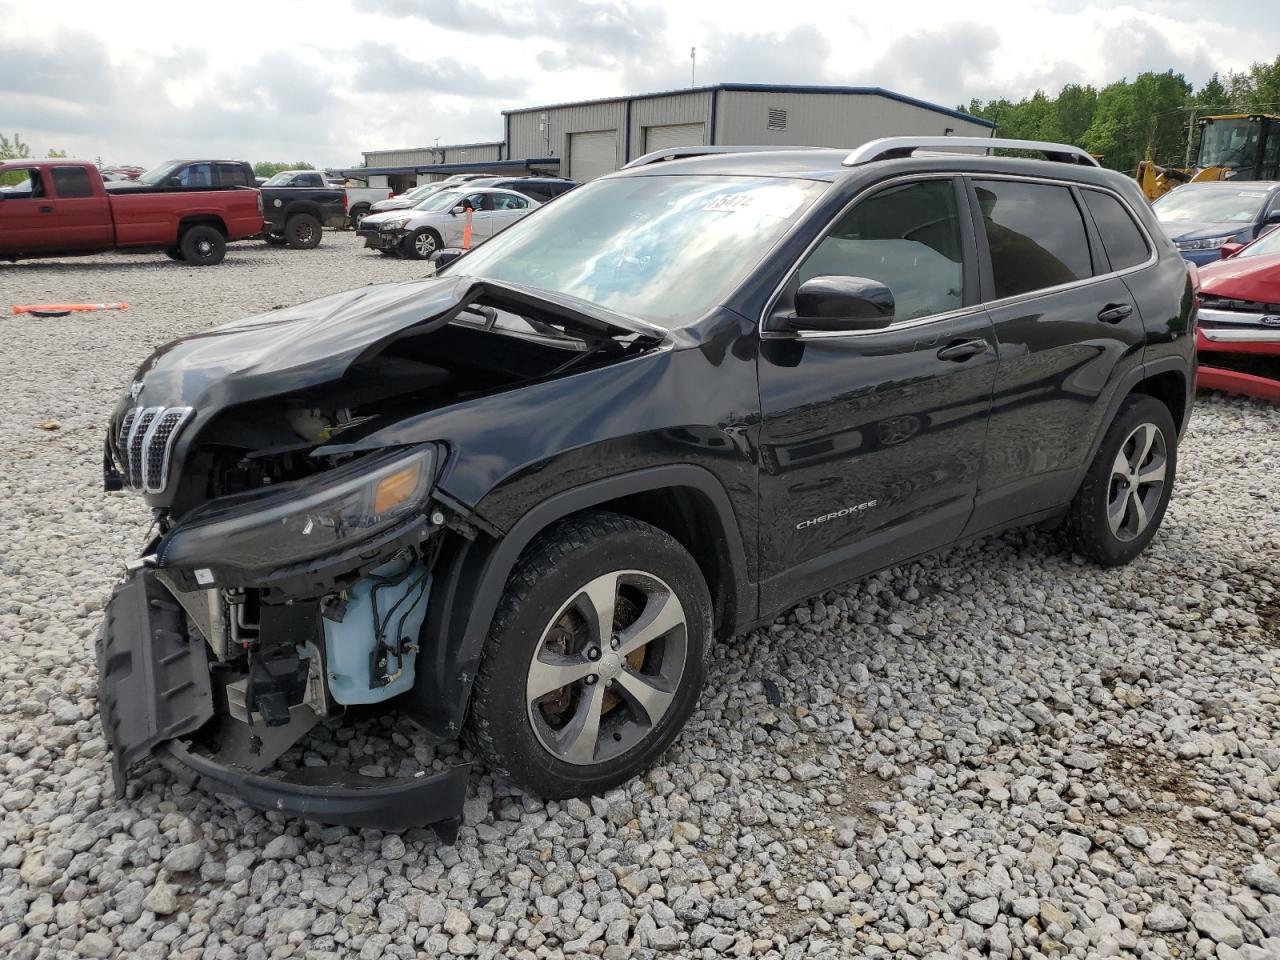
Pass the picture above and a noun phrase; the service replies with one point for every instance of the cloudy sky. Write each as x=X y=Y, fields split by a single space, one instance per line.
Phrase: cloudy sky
x=321 y=80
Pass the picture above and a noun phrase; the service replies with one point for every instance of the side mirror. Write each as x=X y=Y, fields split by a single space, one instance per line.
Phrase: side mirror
x=1229 y=250
x=457 y=210
x=174 y=181
x=1273 y=217
x=444 y=257
x=841 y=303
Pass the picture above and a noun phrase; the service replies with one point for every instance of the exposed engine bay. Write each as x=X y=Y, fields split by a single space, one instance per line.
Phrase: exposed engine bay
x=301 y=561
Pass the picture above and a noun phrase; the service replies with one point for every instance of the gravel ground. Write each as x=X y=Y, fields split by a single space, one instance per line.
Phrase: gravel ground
x=1000 y=751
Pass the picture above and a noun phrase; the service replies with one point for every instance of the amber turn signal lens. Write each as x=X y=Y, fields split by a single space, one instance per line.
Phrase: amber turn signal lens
x=396 y=488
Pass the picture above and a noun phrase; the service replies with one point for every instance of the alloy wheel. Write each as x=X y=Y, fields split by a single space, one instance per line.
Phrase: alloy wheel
x=425 y=244
x=1137 y=481
x=607 y=667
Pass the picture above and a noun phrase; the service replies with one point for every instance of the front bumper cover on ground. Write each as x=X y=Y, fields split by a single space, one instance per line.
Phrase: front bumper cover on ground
x=154 y=688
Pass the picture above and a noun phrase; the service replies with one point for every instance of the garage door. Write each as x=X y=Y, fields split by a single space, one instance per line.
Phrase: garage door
x=593 y=154
x=673 y=135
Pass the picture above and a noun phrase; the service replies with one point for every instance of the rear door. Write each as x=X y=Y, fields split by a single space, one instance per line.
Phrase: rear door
x=82 y=215
x=871 y=440
x=1068 y=330
x=27 y=219
x=507 y=209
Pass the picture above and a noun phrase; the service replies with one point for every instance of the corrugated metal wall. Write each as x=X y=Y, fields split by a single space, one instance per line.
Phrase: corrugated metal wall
x=445 y=153
x=664 y=111
x=829 y=119
x=527 y=140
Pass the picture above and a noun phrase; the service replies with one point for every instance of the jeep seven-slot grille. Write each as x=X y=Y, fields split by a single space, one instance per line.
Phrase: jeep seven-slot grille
x=145 y=444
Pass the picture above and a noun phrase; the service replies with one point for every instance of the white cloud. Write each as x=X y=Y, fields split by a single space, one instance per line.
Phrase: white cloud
x=297 y=80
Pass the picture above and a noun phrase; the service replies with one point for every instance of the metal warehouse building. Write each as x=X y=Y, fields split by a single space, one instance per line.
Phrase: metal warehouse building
x=598 y=136
x=593 y=137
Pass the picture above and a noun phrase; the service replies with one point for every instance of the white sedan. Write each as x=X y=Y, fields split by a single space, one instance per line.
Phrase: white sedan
x=439 y=221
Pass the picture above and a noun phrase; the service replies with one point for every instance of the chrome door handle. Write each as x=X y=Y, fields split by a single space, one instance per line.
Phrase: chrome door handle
x=962 y=350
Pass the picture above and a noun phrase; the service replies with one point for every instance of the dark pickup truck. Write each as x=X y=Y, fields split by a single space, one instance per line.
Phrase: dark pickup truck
x=298 y=204
x=62 y=207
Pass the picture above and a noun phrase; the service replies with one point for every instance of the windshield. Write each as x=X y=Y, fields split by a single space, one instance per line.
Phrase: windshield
x=1230 y=143
x=281 y=178
x=444 y=200
x=1214 y=205
x=661 y=248
x=417 y=193
x=157 y=176
x=1263 y=246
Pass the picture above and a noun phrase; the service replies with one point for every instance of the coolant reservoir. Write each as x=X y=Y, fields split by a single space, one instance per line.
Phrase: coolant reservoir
x=396 y=593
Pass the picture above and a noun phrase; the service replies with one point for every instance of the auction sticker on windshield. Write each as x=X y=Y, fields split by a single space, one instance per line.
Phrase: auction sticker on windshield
x=764 y=202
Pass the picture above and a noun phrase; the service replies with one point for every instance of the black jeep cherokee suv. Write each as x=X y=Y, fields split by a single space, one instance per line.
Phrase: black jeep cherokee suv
x=517 y=500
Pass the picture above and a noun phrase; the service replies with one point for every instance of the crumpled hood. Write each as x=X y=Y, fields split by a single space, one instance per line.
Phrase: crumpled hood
x=1202 y=231
x=1243 y=278
x=289 y=349
x=375 y=219
x=312 y=343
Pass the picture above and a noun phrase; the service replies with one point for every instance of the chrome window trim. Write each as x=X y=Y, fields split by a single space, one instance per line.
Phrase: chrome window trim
x=764 y=334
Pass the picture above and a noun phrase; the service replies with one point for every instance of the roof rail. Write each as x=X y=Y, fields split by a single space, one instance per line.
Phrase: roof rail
x=892 y=148
x=683 y=153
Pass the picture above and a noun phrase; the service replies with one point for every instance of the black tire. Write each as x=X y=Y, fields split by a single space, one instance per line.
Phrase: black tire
x=421 y=244
x=174 y=253
x=202 y=246
x=356 y=214
x=389 y=253
x=302 y=231
x=275 y=239
x=539 y=596
x=1107 y=494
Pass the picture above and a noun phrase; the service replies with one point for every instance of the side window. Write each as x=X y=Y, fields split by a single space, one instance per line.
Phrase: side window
x=1035 y=233
x=478 y=201
x=196 y=175
x=72 y=182
x=906 y=237
x=539 y=192
x=1121 y=238
x=502 y=201
x=232 y=175
x=311 y=180
x=26 y=189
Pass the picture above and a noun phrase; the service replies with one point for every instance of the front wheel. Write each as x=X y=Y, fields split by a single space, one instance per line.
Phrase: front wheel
x=275 y=239
x=595 y=658
x=173 y=253
x=421 y=244
x=1123 y=498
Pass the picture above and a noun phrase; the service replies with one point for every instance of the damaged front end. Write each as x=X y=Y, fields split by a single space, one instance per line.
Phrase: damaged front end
x=293 y=572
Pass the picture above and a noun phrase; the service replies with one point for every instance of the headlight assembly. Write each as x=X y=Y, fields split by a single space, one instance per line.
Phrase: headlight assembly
x=395 y=224
x=1211 y=243
x=256 y=533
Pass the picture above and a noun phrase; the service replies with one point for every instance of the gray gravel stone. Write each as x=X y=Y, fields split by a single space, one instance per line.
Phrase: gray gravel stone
x=999 y=750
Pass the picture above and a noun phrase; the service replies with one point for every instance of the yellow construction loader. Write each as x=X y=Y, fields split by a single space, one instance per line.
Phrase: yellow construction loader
x=1235 y=146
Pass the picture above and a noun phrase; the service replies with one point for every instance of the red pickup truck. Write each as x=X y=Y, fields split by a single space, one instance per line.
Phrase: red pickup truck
x=56 y=208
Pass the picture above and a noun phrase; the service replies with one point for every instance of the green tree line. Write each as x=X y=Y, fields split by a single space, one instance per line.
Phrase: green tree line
x=269 y=168
x=1126 y=120
x=17 y=149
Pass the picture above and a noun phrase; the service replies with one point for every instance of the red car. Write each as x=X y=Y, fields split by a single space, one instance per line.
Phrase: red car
x=56 y=208
x=1238 y=340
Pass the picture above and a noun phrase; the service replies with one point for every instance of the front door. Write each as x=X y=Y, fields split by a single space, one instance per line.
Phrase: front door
x=27 y=214
x=507 y=209
x=1068 y=329
x=83 y=217
x=871 y=440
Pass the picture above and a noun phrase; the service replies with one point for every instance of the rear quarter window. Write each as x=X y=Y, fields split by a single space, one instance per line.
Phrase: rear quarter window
x=1121 y=238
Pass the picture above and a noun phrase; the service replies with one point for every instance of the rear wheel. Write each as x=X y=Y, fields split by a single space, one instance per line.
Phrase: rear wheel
x=595 y=658
x=1122 y=501
x=202 y=246
x=357 y=215
x=302 y=232
x=421 y=244
x=275 y=239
